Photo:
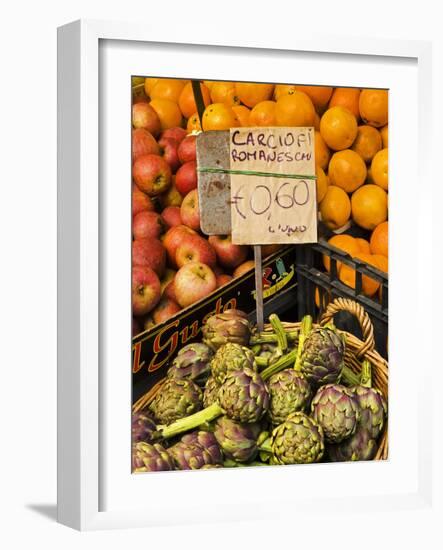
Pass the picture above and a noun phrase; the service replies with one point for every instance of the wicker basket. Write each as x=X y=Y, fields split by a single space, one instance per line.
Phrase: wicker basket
x=356 y=351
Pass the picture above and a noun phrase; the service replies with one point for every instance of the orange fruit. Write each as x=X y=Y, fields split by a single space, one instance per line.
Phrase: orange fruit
x=224 y=92
x=346 y=97
x=373 y=105
x=335 y=208
x=338 y=127
x=379 y=169
x=209 y=83
x=243 y=114
x=322 y=299
x=369 y=178
x=263 y=114
x=384 y=135
x=367 y=142
x=322 y=183
x=317 y=122
x=344 y=242
x=295 y=110
x=149 y=84
x=369 y=205
x=381 y=262
x=167 y=111
x=168 y=88
x=251 y=93
x=346 y=274
x=320 y=95
x=322 y=152
x=363 y=245
x=283 y=89
x=347 y=170
x=186 y=101
x=379 y=239
x=219 y=116
x=193 y=123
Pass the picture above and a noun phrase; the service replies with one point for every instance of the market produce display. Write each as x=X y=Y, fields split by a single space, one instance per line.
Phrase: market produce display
x=301 y=404
x=174 y=264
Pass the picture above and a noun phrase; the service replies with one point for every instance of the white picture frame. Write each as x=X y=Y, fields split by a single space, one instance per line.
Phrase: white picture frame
x=95 y=487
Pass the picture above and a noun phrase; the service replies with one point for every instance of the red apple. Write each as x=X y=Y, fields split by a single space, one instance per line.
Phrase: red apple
x=189 y=210
x=229 y=255
x=143 y=143
x=223 y=279
x=144 y=116
x=187 y=150
x=147 y=224
x=172 y=238
x=193 y=282
x=194 y=248
x=168 y=276
x=169 y=291
x=172 y=197
x=171 y=216
x=186 y=177
x=164 y=310
x=145 y=290
x=176 y=133
x=140 y=201
x=150 y=253
x=169 y=149
x=243 y=268
x=152 y=174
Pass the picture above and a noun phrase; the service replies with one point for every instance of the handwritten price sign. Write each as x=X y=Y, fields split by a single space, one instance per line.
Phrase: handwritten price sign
x=273 y=190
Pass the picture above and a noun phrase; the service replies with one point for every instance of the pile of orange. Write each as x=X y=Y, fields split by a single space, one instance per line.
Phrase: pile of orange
x=351 y=137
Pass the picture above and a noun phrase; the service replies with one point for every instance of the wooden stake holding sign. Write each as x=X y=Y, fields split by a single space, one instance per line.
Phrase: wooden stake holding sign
x=259 y=185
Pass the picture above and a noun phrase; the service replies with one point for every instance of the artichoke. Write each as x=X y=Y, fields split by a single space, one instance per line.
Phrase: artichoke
x=147 y=457
x=360 y=446
x=176 y=399
x=244 y=396
x=321 y=359
x=337 y=411
x=231 y=357
x=196 y=450
x=289 y=392
x=238 y=441
x=143 y=427
x=192 y=363
x=210 y=393
x=230 y=326
x=298 y=440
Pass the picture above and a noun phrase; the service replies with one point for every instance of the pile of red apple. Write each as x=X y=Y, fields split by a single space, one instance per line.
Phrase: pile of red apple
x=173 y=264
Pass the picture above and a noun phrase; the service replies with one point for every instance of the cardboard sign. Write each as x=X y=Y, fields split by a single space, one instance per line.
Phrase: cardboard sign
x=273 y=189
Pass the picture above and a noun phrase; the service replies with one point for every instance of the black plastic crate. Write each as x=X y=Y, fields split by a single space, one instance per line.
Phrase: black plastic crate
x=311 y=275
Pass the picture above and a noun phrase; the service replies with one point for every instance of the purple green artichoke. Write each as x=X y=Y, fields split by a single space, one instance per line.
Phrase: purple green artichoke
x=147 y=457
x=321 y=359
x=143 y=427
x=196 y=450
x=210 y=392
x=289 y=392
x=230 y=326
x=176 y=399
x=337 y=411
x=238 y=441
x=192 y=363
x=231 y=357
x=359 y=446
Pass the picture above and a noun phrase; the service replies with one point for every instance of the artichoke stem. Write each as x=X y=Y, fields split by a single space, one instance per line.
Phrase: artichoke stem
x=272 y=338
x=350 y=377
x=228 y=463
x=282 y=363
x=306 y=327
x=366 y=374
x=261 y=361
x=190 y=422
x=282 y=341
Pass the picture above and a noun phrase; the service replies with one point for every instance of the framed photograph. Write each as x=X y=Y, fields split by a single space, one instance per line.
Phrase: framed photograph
x=228 y=319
